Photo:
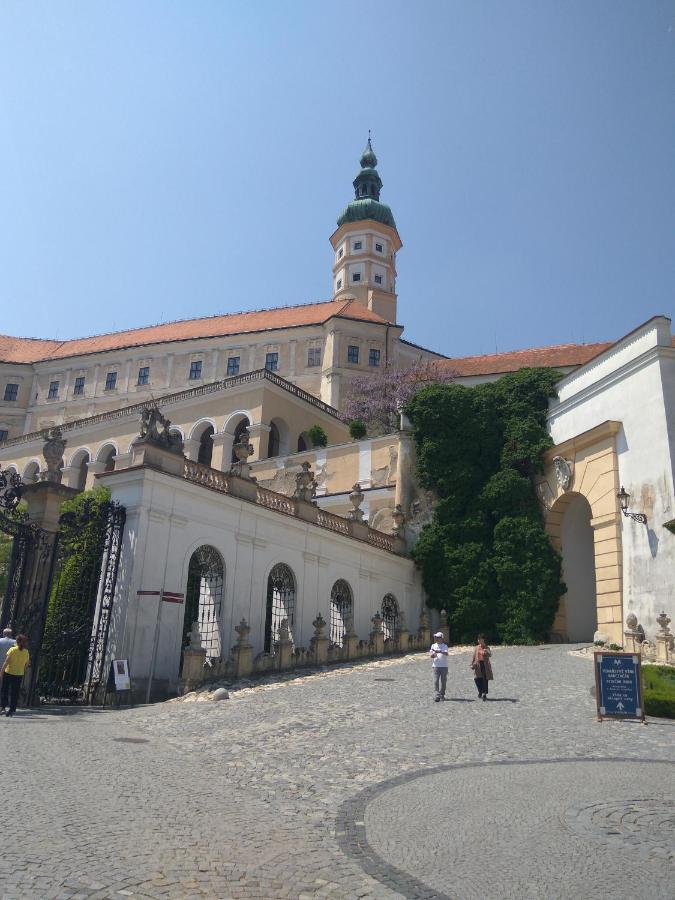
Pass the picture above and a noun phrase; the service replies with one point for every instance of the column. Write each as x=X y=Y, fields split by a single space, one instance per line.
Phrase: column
x=93 y=468
x=259 y=436
x=191 y=448
x=222 y=451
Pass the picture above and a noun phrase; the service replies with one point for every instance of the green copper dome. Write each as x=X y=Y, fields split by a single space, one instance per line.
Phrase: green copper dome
x=367 y=187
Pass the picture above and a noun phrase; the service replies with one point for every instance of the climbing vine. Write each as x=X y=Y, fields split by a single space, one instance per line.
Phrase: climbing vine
x=485 y=557
x=73 y=597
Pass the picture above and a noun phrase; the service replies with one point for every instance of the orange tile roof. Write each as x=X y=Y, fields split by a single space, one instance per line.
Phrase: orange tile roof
x=556 y=356
x=27 y=350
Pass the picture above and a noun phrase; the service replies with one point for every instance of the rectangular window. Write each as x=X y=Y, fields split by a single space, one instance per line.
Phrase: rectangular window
x=111 y=381
x=314 y=356
x=352 y=354
x=339 y=284
x=233 y=365
x=272 y=361
x=144 y=375
x=195 y=369
x=3 y=435
x=378 y=248
x=358 y=245
x=340 y=253
x=373 y=357
x=53 y=390
x=356 y=276
x=11 y=391
x=79 y=386
x=378 y=279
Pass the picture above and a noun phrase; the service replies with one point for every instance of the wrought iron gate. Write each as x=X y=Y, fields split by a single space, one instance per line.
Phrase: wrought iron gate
x=80 y=603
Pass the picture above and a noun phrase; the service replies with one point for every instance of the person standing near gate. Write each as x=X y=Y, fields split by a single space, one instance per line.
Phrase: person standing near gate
x=12 y=673
x=6 y=641
x=439 y=663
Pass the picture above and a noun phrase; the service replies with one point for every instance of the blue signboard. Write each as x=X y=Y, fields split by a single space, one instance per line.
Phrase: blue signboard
x=618 y=686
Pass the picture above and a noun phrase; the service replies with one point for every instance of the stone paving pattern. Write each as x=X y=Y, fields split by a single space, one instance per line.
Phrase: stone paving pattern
x=258 y=796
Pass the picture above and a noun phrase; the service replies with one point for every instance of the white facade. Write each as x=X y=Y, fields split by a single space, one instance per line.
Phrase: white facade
x=169 y=518
x=633 y=383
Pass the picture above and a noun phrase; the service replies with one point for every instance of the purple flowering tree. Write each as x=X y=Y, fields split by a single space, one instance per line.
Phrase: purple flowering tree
x=375 y=399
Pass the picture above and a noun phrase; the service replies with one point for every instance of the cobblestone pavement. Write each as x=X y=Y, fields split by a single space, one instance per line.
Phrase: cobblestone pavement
x=350 y=783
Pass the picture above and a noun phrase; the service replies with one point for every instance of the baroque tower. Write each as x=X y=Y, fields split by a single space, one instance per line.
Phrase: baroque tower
x=366 y=243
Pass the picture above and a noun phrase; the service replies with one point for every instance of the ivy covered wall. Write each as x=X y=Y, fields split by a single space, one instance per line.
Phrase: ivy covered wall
x=485 y=558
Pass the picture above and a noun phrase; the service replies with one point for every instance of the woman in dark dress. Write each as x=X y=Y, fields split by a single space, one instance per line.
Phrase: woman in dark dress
x=482 y=670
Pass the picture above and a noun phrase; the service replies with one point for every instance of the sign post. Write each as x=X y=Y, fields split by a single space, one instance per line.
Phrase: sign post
x=618 y=686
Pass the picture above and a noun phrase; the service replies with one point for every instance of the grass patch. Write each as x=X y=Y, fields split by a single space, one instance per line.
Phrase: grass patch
x=659 y=690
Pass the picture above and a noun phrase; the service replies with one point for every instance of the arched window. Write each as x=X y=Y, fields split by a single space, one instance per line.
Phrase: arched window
x=238 y=431
x=341 y=611
x=107 y=457
x=204 y=597
x=274 y=441
x=206 y=446
x=390 y=616
x=280 y=603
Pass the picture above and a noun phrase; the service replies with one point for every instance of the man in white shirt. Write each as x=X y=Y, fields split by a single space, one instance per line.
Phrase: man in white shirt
x=6 y=641
x=439 y=662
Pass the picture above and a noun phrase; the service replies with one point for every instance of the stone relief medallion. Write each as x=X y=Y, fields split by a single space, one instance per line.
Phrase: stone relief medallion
x=563 y=472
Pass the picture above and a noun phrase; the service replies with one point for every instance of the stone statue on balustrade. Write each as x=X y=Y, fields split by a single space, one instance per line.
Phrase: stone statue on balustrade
x=156 y=430
x=305 y=484
x=242 y=450
x=53 y=453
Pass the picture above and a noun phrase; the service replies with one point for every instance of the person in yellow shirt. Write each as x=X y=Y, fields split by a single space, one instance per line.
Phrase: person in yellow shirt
x=12 y=672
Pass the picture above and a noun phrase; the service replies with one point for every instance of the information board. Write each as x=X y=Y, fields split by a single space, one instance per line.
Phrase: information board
x=120 y=672
x=618 y=686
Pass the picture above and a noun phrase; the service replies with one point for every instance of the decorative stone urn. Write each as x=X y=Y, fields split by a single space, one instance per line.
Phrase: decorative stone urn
x=242 y=450
x=356 y=499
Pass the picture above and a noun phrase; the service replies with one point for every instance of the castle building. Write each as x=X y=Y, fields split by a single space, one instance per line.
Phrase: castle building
x=275 y=373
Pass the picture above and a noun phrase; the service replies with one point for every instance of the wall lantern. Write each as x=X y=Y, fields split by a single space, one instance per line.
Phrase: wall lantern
x=623 y=498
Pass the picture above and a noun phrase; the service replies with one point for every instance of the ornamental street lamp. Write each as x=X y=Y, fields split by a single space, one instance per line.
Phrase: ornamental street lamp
x=623 y=498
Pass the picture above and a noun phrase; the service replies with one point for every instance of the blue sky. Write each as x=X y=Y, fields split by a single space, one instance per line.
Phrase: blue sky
x=163 y=160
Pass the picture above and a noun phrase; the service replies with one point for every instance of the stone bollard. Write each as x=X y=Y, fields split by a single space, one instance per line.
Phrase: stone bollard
x=242 y=652
x=194 y=657
x=351 y=640
x=283 y=648
x=377 y=635
x=319 y=643
x=631 y=635
x=664 y=639
x=401 y=637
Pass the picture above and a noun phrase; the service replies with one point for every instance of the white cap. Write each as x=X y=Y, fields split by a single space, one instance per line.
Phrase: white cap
x=439 y=634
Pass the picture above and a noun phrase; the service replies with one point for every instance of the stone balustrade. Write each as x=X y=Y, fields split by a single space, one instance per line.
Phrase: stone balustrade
x=660 y=651
x=240 y=663
x=247 y=489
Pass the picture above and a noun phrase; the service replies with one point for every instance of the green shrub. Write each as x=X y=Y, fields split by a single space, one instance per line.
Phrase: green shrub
x=317 y=436
x=659 y=691
x=357 y=430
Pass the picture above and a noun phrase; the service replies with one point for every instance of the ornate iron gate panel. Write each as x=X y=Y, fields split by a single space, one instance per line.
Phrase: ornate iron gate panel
x=98 y=646
x=280 y=603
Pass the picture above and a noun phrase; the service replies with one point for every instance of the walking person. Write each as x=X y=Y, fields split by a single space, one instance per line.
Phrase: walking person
x=12 y=673
x=6 y=641
x=482 y=670
x=439 y=663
